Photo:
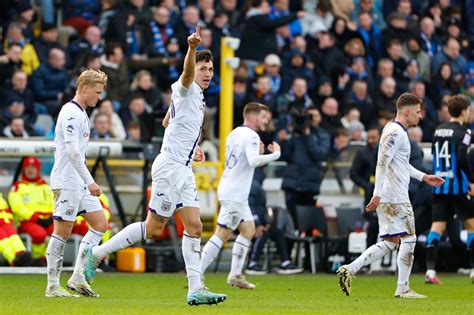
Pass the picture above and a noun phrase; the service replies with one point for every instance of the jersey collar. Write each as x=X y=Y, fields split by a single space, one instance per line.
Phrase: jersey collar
x=400 y=124
x=77 y=104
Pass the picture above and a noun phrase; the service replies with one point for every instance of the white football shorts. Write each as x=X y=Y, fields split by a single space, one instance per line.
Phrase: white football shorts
x=173 y=187
x=395 y=219
x=232 y=213
x=68 y=204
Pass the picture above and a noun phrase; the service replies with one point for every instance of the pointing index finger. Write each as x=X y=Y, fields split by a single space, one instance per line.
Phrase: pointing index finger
x=198 y=29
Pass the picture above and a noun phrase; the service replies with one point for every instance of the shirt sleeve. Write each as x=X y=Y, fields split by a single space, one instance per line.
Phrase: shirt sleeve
x=70 y=126
x=253 y=154
x=388 y=147
x=416 y=174
x=179 y=88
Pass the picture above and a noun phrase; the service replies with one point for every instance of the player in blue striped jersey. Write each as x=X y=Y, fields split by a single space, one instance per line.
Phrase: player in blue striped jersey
x=450 y=145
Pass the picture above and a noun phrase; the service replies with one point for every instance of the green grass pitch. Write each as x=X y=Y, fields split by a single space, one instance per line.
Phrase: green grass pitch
x=152 y=293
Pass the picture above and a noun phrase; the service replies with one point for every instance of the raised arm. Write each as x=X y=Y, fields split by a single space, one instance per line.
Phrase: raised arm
x=187 y=76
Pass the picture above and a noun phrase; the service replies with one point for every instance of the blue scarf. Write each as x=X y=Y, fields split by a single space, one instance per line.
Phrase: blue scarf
x=158 y=43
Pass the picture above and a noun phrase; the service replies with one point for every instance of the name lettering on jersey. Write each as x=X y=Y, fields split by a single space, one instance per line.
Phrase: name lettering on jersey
x=448 y=174
x=70 y=128
x=444 y=133
x=70 y=118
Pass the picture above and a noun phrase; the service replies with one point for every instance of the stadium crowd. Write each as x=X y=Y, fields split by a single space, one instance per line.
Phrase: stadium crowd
x=329 y=70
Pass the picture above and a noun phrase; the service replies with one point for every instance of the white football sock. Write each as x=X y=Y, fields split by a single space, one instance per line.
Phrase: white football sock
x=371 y=254
x=54 y=259
x=210 y=252
x=405 y=262
x=92 y=237
x=128 y=236
x=191 y=247
x=239 y=253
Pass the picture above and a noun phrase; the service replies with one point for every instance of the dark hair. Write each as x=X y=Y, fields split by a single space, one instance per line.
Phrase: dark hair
x=110 y=49
x=458 y=103
x=204 y=55
x=341 y=132
x=254 y=108
x=407 y=99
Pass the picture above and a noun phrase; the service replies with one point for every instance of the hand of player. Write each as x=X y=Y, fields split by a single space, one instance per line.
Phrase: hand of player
x=471 y=189
x=261 y=148
x=259 y=230
x=274 y=147
x=195 y=38
x=433 y=180
x=199 y=156
x=95 y=190
x=373 y=204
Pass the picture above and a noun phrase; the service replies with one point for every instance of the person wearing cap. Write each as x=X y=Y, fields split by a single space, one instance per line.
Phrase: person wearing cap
x=47 y=40
x=412 y=50
x=31 y=201
x=272 y=64
x=11 y=245
x=15 y=108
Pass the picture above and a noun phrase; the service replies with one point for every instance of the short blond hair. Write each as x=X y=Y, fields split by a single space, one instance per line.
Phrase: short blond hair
x=91 y=77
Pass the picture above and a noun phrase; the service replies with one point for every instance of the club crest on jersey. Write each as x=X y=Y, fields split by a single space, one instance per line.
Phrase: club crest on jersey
x=166 y=206
x=69 y=210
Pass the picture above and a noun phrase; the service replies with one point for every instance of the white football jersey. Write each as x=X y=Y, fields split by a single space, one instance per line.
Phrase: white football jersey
x=73 y=126
x=394 y=156
x=241 y=143
x=184 y=128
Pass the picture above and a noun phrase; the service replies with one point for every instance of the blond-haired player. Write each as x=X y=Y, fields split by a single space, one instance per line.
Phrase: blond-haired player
x=75 y=191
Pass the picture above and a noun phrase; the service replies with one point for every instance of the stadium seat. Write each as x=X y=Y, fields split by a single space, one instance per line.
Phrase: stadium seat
x=347 y=219
x=313 y=231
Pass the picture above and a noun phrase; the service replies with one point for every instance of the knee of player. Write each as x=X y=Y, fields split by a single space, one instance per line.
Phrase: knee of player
x=249 y=233
x=195 y=229
x=101 y=227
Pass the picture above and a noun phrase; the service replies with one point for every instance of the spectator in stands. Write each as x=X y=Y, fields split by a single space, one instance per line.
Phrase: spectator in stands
x=450 y=54
x=268 y=226
x=411 y=74
x=326 y=56
x=455 y=30
x=25 y=15
x=258 y=37
x=29 y=59
x=9 y=63
x=444 y=83
x=50 y=80
x=430 y=41
x=141 y=10
x=319 y=132
x=385 y=69
x=351 y=114
x=354 y=48
x=80 y=14
x=397 y=28
x=263 y=93
x=47 y=40
x=113 y=23
x=297 y=98
x=90 y=44
x=356 y=131
x=331 y=118
x=15 y=108
x=341 y=141
x=394 y=53
x=115 y=66
x=343 y=31
x=186 y=25
x=318 y=19
x=412 y=50
x=386 y=96
x=102 y=127
x=304 y=154
x=143 y=84
x=20 y=92
x=362 y=173
x=430 y=120
x=443 y=112
x=11 y=246
x=371 y=35
x=16 y=129
x=324 y=90
x=117 y=129
x=404 y=7
x=359 y=70
x=375 y=13
x=241 y=98
x=158 y=32
x=134 y=131
x=359 y=98
x=272 y=67
x=32 y=202
x=297 y=67
x=135 y=111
